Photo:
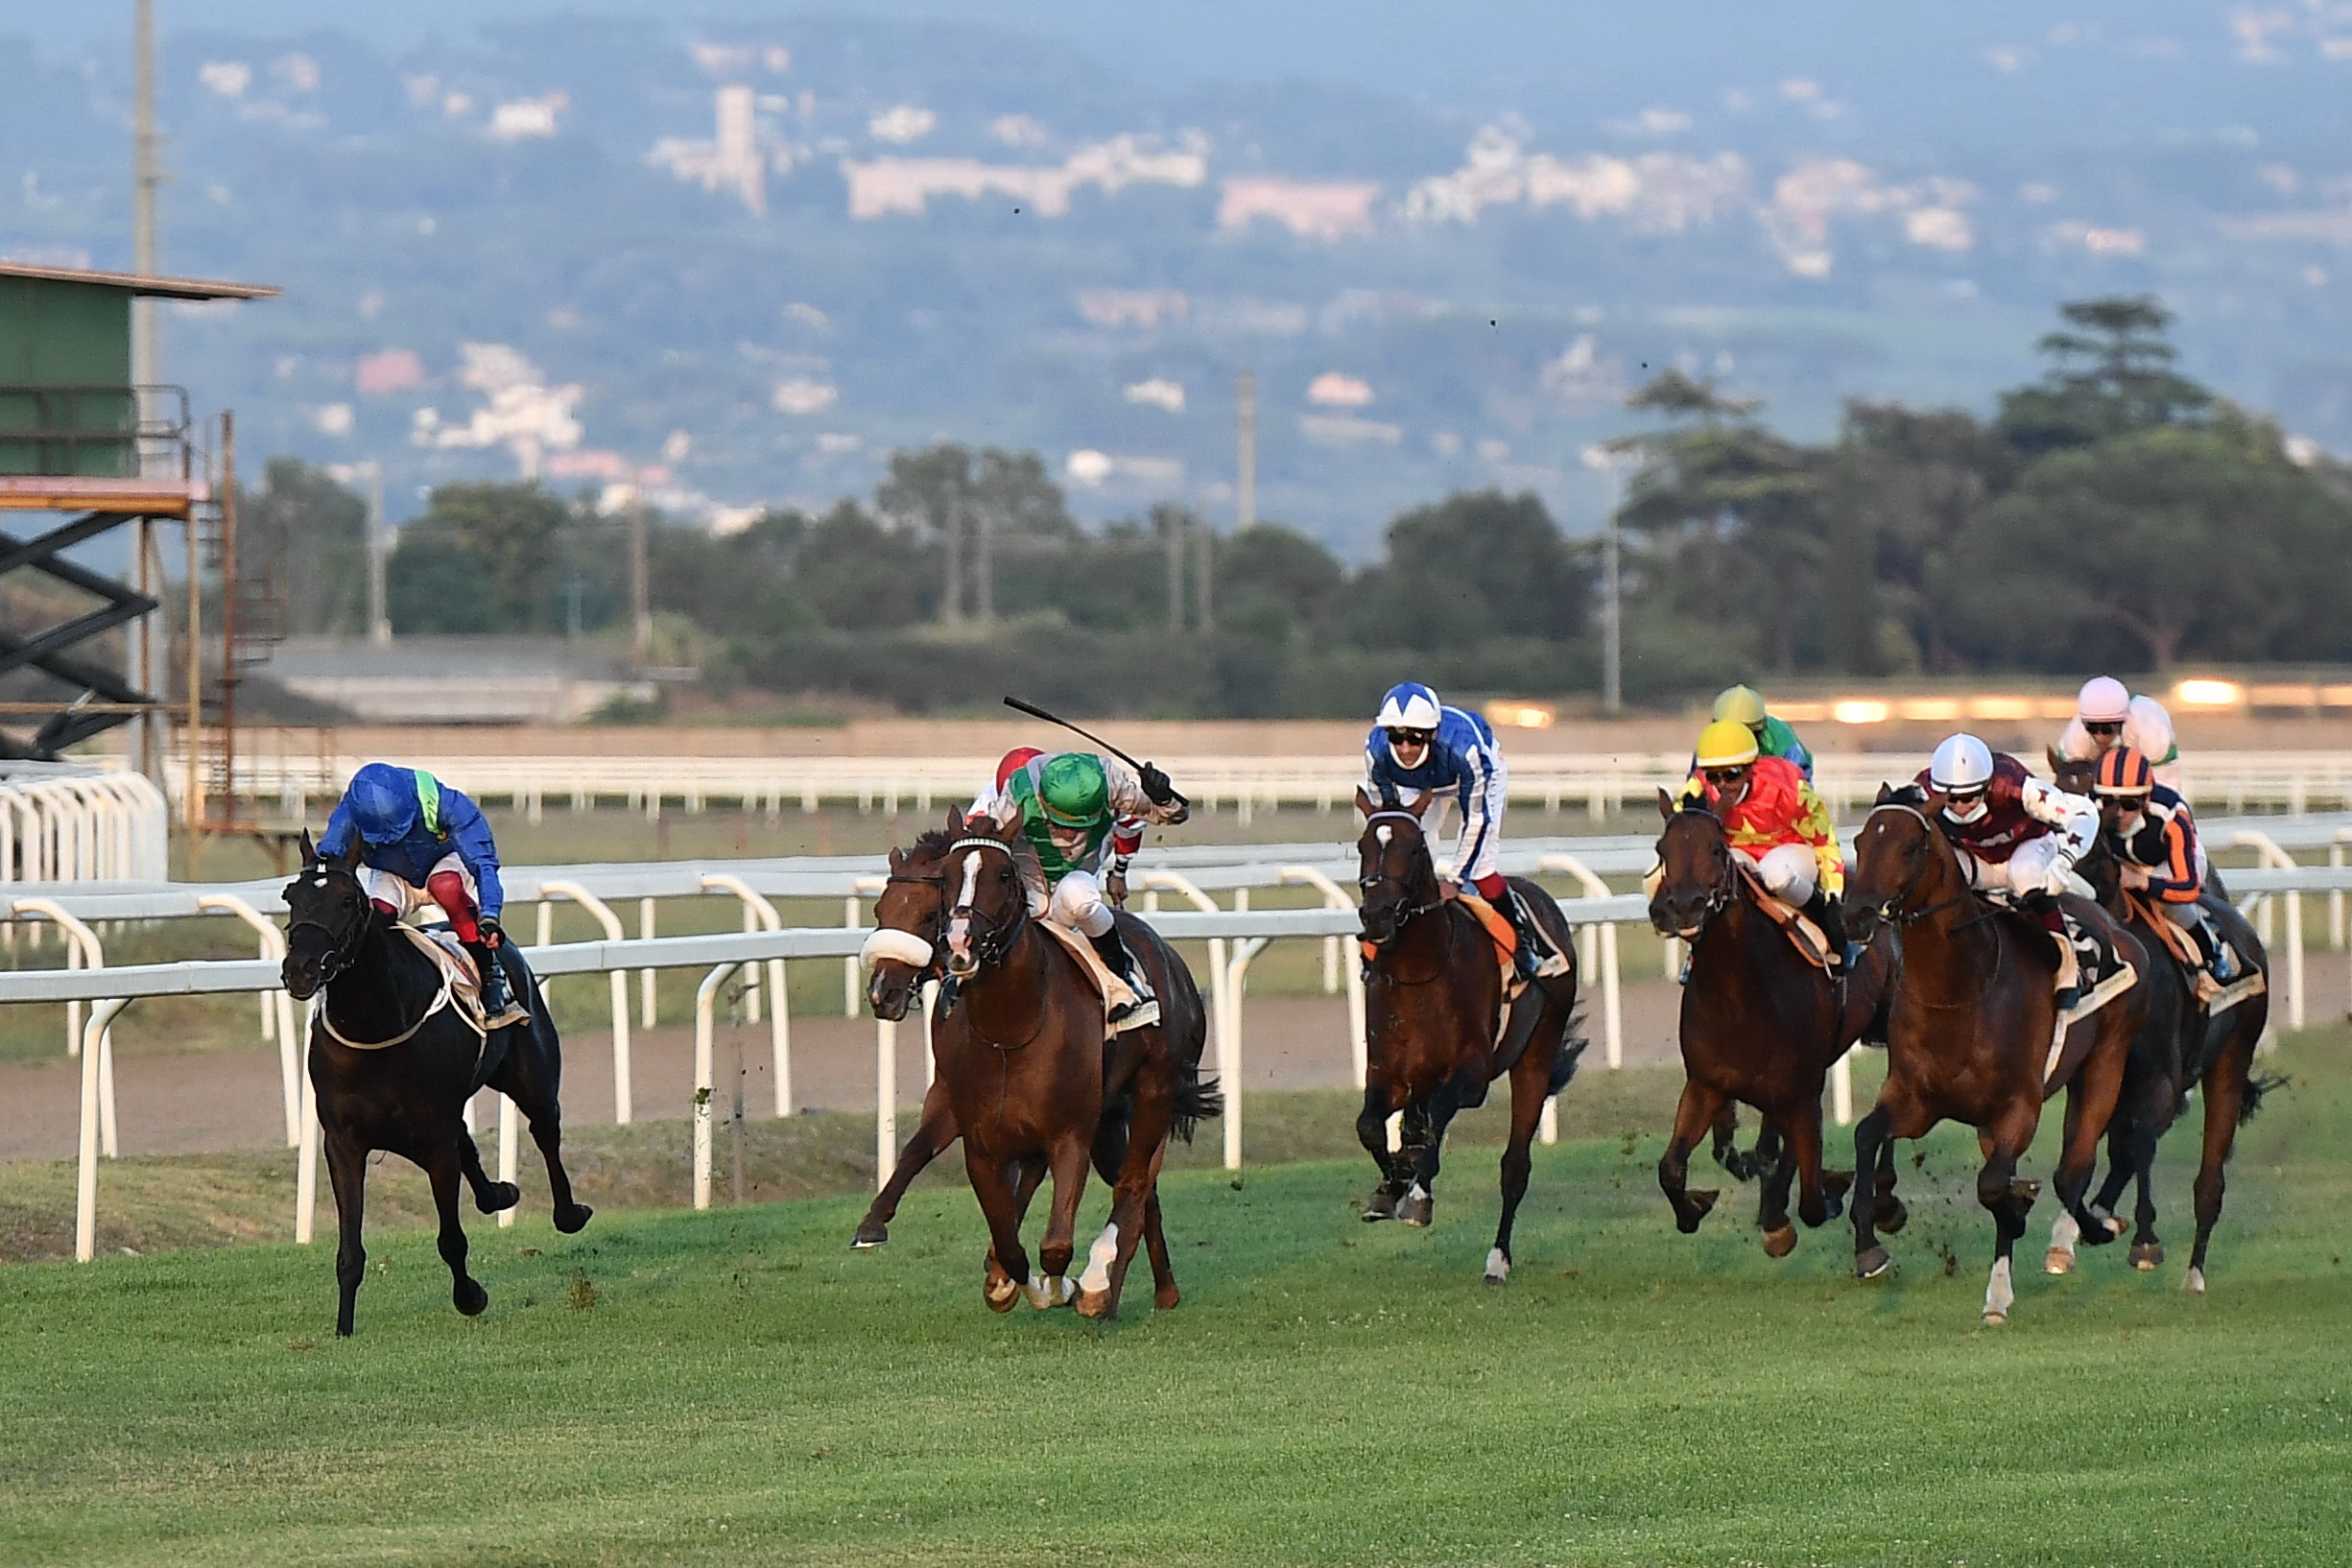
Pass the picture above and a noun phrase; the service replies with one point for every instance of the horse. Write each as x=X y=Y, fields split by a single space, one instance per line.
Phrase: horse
x=1432 y=999
x=393 y=1064
x=1028 y=1081
x=1759 y=1024
x=1972 y=1032
x=2181 y=1047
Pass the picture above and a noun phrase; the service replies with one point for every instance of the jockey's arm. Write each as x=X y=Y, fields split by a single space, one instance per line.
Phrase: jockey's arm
x=469 y=833
x=2072 y=817
x=2148 y=731
x=1821 y=834
x=2074 y=743
x=1476 y=769
x=340 y=834
x=1127 y=800
x=2175 y=881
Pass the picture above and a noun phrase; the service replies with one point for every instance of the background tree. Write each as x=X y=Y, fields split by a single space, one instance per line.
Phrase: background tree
x=484 y=557
x=313 y=534
x=2113 y=374
x=1478 y=565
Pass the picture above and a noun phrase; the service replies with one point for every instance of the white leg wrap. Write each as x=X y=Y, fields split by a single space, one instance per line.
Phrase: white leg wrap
x=2064 y=1234
x=1498 y=1267
x=1099 y=1259
x=2000 y=1295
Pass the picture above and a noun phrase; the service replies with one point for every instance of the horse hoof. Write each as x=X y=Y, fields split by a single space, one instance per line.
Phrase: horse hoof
x=1498 y=1267
x=1994 y=1319
x=2148 y=1256
x=470 y=1297
x=997 y=1288
x=2195 y=1284
x=1835 y=1185
x=574 y=1220
x=498 y=1197
x=1779 y=1244
x=2057 y=1260
x=1694 y=1207
x=1891 y=1216
x=1167 y=1297
x=1095 y=1304
x=1381 y=1205
x=1046 y=1294
x=870 y=1235
x=1872 y=1263
x=1416 y=1212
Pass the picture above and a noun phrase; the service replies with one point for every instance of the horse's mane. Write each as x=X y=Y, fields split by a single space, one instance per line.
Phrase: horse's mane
x=1908 y=795
x=933 y=842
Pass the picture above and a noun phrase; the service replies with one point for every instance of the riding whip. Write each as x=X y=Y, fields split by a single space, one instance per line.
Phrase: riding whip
x=1037 y=712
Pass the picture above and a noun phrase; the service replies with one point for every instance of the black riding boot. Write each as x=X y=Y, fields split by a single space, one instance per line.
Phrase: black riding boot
x=1829 y=914
x=1113 y=949
x=2043 y=905
x=2220 y=961
x=499 y=1007
x=1530 y=955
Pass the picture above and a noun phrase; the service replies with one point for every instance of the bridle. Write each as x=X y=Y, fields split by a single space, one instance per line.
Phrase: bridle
x=992 y=942
x=341 y=958
x=1725 y=886
x=1889 y=909
x=1405 y=913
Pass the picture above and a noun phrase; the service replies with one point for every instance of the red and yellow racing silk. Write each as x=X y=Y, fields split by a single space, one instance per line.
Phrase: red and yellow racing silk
x=1780 y=807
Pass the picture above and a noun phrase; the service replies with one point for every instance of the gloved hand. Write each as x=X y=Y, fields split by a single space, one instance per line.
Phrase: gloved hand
x=487 y=925
x=1156 y=788
x=1114 y=887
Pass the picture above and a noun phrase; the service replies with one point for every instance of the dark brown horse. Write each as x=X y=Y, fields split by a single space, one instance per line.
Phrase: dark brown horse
x=1433 y=1002
x=2181 y=1046
x=1971 y=1030
x=1028 y=1079
x=1760 y=1025
x=403 y=1087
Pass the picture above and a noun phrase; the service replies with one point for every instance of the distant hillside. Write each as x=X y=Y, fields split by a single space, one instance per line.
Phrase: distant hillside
x=741 y=261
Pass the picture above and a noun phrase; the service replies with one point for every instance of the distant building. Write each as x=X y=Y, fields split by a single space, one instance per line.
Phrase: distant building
x=456 y=680
x=732 y=161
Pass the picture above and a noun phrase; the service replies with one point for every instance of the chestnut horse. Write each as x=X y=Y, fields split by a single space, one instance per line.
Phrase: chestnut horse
x=1760 y=1025
x=1028 y=1081
x=2181 y=1047
x=1971 y=1030
x=1433 y=1001
x=403 y=1089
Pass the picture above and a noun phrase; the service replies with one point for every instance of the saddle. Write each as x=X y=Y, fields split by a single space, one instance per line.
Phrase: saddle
x=441 y=944
x=1506 y=939
x=1808 y=939
x=1113 y=991
x=2216 y=997
x=2093 y=963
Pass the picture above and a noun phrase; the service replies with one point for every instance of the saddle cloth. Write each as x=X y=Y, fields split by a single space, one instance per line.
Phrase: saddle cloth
x=1112 y=990
x=2216 y=997
x=457 y=967
x=1803 y=935
x=2102 y=973
x=1505 y=938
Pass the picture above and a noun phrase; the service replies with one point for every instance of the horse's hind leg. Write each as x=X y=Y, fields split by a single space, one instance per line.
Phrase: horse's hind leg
x=1164 y=1292
x=931 y=1139
x=1134 y=1208
x=2223 y=1090
x=465 y=1291
x=531 y=1077
x=1530 y=1080
x=489 y=1196
x=1694 y=1116
x=346 y=1171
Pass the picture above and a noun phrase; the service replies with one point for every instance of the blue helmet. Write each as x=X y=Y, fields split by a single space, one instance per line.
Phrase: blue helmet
x=1408 y=705
x=383 y=802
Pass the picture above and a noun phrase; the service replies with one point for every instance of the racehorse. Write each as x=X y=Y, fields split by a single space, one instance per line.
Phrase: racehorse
x=395 y=1063
x=1030 y=1083
x=1760 y=1024
x=1432 y=999
x=2181 y=1046
x=1972 y=1034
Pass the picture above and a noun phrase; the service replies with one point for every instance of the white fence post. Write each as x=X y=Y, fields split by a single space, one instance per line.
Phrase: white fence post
x=622 y=1101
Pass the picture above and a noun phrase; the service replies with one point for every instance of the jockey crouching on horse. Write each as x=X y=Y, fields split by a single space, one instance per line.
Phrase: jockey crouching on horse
x=1085 y=814
x=1418 y=745
x=2107 y=716
x=1775 y=822
x=1745 y=705
x=2150 y=830
x=423 y=843
x=2018 y=836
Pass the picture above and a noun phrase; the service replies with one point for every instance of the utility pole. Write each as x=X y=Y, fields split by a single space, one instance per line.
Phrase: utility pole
x=1204 y=570
x=1173 y=520
x=142 y=651
x=1612 y=645
x=379 y=554
x=1245 y=454
x=640 y=590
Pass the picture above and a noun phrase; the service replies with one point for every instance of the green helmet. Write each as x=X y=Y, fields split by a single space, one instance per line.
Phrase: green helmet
x=1074 y=790
x=1742 y=706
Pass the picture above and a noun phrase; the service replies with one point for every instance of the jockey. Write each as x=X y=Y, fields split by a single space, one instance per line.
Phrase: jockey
x=1773 y=820
x=2106 y=715
x=423 y=843
x=1745 y=705
x=1417 y=744
x=1073 y=807
x=2018 y=835
x=2154 y=837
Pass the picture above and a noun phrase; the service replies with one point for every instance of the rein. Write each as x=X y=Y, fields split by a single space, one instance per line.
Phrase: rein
x=341 y=957
x=1886 y=910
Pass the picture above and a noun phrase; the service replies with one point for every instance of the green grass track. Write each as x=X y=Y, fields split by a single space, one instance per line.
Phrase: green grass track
x=738 y=1388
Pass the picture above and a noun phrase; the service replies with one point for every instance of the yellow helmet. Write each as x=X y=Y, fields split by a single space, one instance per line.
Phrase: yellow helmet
x=1742 y=706
x=1726 y=743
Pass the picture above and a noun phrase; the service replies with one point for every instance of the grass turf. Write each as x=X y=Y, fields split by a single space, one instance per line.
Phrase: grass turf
x=737 y=1388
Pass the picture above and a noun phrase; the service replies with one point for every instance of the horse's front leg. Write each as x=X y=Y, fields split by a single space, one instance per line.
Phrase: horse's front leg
x=1694 y=1115
x=441 y=1168
x=932 y=1136
x=2008 y=1198
x=1772 y=1195
x=1467 y=1085
x=1001 y=1206
x=1381 y=1099
x=346 y=1171
x=1069 y=1162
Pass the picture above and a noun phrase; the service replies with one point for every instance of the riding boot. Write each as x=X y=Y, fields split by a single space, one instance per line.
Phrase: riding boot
x=2044 y=908
x=499 y=1007
x=2220 y=961
x=1530 y=955
x=1113 y=951
x=1827 y=914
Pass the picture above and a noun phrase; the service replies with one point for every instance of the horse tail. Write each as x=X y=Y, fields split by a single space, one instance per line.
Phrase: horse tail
x=2258 y=1084
x=1572 y=1047
x=1196 y=1102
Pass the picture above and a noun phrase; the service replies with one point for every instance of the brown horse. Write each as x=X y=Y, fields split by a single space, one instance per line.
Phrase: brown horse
x=1760 y=1025
x=1971 y=1030
x=2180 y=1047
x=404 y=1088
x=1028 y=1079
x=1433 y=1000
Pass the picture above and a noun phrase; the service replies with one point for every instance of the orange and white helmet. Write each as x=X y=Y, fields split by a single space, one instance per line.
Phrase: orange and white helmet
x=2123 y=775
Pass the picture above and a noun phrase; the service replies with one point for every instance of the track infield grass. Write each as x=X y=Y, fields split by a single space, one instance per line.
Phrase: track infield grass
x=738 y=1387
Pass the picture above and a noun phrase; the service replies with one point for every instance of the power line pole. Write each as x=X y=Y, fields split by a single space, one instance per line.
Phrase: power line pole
x=379 y=552
x=1245 y=454
x=142 y=650
x=1608 y=463
x=640 y=589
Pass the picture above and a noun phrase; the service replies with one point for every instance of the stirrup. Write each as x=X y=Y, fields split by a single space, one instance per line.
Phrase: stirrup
x=1133 y=1015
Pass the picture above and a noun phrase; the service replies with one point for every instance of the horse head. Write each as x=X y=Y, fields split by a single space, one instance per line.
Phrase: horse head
x=1696 y=879
x=1394 y=871
x=327 y=913
x=904 y=951
x=986 y=898
x=1897 y=856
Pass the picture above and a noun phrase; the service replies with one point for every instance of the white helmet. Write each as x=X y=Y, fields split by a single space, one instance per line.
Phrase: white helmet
x=1963 y=762
x=1408 y=705
x=2102 y=700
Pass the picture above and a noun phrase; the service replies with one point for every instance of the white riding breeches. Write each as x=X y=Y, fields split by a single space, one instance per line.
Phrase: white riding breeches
x=1078 y=903
x=387 y=889
x=1788 y=871
x=2038 y=865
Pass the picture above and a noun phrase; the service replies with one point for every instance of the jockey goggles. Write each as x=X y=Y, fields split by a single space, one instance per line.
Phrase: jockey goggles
x=2103 y=727
x=1722 y=778
x=1411 y=737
